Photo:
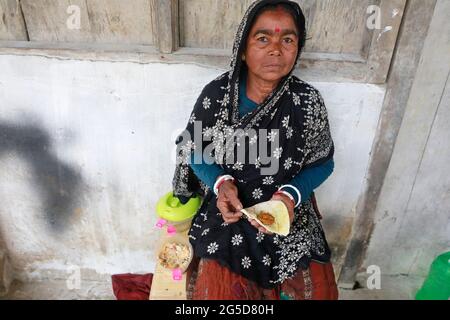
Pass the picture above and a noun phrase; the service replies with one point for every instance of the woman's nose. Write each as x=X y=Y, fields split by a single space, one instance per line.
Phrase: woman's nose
x=275 y=53
x=275 y=49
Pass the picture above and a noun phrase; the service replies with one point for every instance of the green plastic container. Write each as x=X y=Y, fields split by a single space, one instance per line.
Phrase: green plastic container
x=173 y=211
x=437 y=284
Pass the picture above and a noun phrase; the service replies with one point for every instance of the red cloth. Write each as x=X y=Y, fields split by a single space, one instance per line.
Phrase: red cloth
x=132 y=286
x=215 y=282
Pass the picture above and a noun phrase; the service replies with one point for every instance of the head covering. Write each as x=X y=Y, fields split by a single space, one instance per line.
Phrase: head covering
x=298 y=136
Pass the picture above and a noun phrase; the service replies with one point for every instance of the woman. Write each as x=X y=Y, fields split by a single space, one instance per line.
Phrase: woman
x=238 y=258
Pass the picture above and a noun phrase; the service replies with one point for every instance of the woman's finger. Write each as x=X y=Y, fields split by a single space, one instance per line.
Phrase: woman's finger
x=233 y=206
x=222 y=206
x=228 y=219
x=235 y=202
x=264 y=230
x=260 y=228
x=254 y=223
x=231 y=217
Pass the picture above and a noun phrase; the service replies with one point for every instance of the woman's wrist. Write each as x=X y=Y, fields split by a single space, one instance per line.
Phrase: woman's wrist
x=293 y=192
x=220 y=181
x=287 y=196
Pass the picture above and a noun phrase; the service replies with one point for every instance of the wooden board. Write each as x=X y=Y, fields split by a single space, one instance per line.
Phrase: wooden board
x=101 y=21
x=12 y=25
x=336 y=26
x=163 y=286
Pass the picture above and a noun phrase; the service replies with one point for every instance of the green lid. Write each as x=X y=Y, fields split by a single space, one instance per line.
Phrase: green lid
x=171 y=209
x=437 y=285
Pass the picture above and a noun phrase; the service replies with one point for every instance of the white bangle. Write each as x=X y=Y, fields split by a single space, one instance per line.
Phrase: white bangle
x=287 y=194
x=296 y=191
x=222 y=178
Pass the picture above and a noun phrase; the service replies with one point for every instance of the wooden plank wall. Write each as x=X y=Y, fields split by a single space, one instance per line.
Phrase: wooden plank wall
x=210 y=23
x=340 y=47
x=12 y=25
x=102 y=21
x=337 y=26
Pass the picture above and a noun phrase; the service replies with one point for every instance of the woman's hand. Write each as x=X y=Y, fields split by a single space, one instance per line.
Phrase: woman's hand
x=289 y=205
x=258 y=226
x=228 y=202
x=287 y=202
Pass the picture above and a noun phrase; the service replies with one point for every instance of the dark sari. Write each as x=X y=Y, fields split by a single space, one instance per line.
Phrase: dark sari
x=297 y=114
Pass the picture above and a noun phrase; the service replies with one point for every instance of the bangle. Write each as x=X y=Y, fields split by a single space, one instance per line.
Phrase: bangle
x=287 y=194
x=220 y=181
x=296 y=191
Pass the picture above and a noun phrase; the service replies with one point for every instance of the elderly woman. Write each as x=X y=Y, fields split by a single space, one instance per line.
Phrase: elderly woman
x=237 y=257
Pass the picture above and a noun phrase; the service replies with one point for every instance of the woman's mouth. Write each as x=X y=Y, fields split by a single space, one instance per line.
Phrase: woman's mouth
x=273 y=66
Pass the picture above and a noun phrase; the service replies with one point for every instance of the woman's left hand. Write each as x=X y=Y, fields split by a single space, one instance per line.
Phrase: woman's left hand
x=289 y=205
x=287 y=202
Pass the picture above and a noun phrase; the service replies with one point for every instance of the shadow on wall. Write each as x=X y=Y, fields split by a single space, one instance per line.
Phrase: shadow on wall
x=58 y=185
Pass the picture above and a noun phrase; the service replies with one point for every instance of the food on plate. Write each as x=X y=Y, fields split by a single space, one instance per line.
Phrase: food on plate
x=174 y=255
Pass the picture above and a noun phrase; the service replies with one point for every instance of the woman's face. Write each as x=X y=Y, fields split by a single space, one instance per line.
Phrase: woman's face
x=272 y=45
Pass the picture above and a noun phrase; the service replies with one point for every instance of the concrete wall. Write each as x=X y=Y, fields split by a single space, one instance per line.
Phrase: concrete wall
x=412 y=216
x=86 y=151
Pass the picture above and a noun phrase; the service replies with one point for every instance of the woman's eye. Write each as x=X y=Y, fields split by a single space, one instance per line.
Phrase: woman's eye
x=288 y=40
x=262 y=39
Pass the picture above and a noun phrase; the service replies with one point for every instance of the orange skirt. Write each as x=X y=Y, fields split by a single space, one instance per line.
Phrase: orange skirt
x=211 y=281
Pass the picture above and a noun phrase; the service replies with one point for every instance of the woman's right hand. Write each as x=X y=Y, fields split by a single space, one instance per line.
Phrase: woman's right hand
x=228 y=202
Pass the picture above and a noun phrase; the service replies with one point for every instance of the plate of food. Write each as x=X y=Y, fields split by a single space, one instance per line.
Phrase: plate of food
x=175 y=253
x=272 y=215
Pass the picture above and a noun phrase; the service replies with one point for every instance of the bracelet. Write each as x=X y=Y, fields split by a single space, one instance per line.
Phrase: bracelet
x=287 y=194
x=220 y=181
x=296 y=191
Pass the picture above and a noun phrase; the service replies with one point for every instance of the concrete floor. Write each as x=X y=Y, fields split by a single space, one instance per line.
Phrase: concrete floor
x=396 y=287
x=393 y=288
x=57 y=290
